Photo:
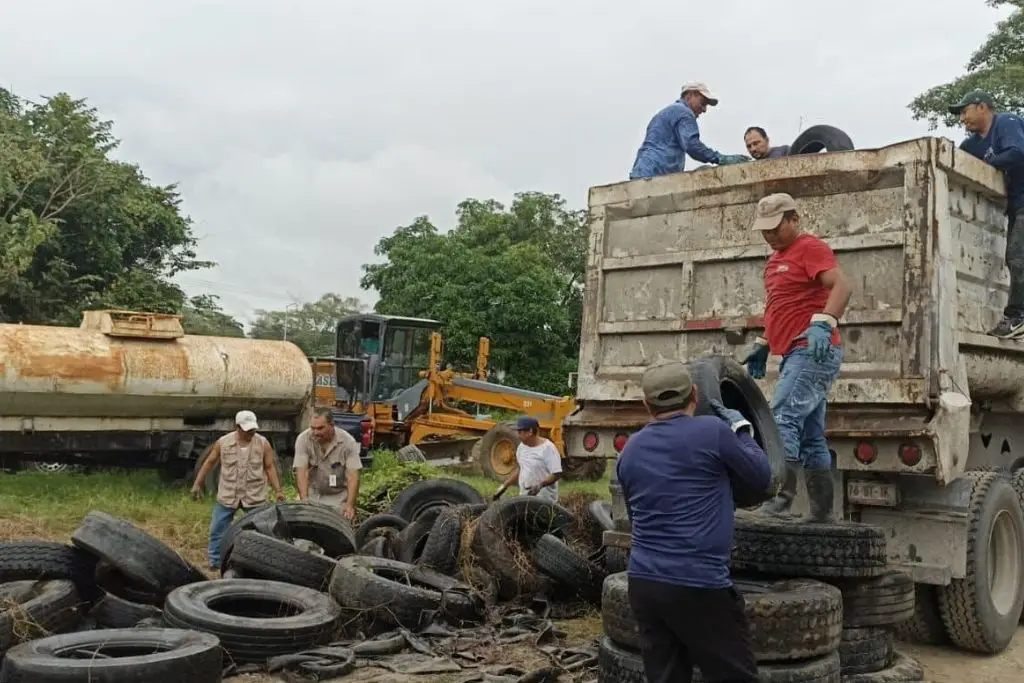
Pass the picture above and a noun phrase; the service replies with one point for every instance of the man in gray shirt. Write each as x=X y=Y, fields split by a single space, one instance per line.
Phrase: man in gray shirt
x=756 y=140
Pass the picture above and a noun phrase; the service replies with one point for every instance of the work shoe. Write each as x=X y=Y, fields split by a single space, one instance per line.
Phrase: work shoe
x=820 y=495
x=783 y=500
x=1009 y=328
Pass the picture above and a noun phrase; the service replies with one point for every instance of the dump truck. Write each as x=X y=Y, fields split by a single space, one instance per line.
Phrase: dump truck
x=131 y=389
x=926 y=403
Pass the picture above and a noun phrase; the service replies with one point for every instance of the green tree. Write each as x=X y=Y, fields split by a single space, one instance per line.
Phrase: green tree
x=997 y=66
x=202 y=315
x=79 y=229
x=512 y=274
x=310 y=326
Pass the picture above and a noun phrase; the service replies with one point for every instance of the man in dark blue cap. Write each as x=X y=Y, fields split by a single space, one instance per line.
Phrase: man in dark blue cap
x=538 y=464
x=998 y=139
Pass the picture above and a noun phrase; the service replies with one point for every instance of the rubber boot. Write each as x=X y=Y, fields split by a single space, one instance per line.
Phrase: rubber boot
x=783 y=500
x=819 y=495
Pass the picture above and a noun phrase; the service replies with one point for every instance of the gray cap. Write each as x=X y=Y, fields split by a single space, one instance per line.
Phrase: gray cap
x=771 y=209
x=975 y=96
x=667 y=385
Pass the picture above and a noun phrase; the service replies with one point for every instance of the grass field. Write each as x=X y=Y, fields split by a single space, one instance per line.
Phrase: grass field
x=50 y=506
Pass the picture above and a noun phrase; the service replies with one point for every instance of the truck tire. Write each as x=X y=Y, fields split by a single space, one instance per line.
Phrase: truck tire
x=1017 y=480
x=902 y=669
x=615 y=559
x=886 y=600
x=821 y=137
x=821 y=670
x=565 y=566
x=925 y=627
x=36 y=560
x=410 y=454
x=114 y=612
x=981 y=611
x=265 y=557
x=365 y=531
x=413 y=538
x=618 y=664
x=443 y=550
x=865 y=650
x=778 y=547
x=313 y=522
x=415 y=499
x=49 y=606
x=616 y=615
x=152 y=654
x=496 y=451
x=723 y=379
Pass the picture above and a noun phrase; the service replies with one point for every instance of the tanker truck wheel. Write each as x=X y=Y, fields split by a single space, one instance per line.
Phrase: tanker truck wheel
x=981 y=611
x=213 y=476
x=496 y=451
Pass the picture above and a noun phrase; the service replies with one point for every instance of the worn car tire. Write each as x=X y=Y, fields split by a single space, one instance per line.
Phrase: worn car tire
x=165 y=655
x=134 y=552
x=925 y=626
x=443 y=548
x=615 y=559
x=973 y=619
x=413 y=538
x=114 y=612
x=616 y=614
x=263 y=557
x=565 y=566
x=820 y=670
x=821 y=137
x=777 y=546
x=372 y=523
x=114 y=582
x=47 y=607
x=416 y=498
x=507 y=531
x=396 y=593
x=378 y=546
x=410 y=454
x=39 y=560
x=258 y=630
x=722 y=378
x=865 y=650
x=885 y=600
x=618 y=664
x=313 y=522
x=902 y=669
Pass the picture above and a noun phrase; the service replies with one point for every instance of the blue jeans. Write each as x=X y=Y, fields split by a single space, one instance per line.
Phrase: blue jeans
x=222 y=518
x=799 y=405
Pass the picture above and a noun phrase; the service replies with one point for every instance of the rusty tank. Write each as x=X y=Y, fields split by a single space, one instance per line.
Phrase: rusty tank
x=122 y=364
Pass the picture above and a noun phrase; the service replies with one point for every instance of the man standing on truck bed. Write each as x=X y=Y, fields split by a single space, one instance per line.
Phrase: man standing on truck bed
x=679 y=475
x=756 y=141
x=998 y=139
x=673 y=133
x=247 y=463
x=806 y=293
x=538 y=463
x=327 y=464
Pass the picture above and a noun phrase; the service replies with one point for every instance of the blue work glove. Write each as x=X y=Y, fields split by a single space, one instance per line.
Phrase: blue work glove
x=728 y=159
x=733 y=418
x=757 y=360
x=819 y=340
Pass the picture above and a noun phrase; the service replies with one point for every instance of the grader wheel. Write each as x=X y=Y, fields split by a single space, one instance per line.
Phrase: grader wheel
x=584 y=469
x=496 y=451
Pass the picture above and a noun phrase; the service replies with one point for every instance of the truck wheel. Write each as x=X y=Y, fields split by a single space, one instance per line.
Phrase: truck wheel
x=585 y=469
x=497 y=451
x=982 y=610
x=925 y=627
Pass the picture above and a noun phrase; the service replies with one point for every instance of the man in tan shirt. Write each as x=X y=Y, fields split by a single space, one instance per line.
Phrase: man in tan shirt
x=327 y=464
x=247 y=463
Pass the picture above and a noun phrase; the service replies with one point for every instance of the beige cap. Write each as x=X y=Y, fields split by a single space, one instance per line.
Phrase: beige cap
x=667 y=385
x=246 y=420
x=770 y=210
x=702 y=88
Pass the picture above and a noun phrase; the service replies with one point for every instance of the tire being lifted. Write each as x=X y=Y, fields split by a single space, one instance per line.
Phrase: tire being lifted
x=821 y=138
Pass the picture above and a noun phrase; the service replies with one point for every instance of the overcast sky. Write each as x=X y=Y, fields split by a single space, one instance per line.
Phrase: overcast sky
x=301 y=132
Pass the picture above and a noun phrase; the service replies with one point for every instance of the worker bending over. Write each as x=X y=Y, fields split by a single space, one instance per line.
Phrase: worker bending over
x=327 y=464
x=247 y=464
x=679 y=474
x=756 y=141
x=806 y=294
x=673 y=133
x=538 y=464
x=998 y=139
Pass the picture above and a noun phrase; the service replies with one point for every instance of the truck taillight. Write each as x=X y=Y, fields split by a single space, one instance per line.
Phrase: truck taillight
x=620 y=442
x=590 y=442
x=910 y=454
x=865 y=453
x=367 y=427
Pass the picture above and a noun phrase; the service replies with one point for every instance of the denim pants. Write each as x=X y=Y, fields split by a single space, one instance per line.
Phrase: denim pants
x=799 y=405
x=1015 y=264
x=222 y=518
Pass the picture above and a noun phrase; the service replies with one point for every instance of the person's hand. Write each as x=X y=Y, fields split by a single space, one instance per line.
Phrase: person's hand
x=729 y=159
x=733 y=418
x=280 y=496
x=757 y=360
x=819 y=340
x=498 y=493
x=197 y=492
x=349 y=512
x=533 y=490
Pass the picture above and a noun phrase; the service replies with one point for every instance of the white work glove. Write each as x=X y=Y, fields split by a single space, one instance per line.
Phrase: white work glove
x=734 y=418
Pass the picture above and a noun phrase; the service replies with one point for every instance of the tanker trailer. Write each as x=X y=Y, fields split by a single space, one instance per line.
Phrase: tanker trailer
x=127 y=389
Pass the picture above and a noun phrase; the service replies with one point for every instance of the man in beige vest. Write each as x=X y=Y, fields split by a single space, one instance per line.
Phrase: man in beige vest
x=327 y=464
x=247 y=463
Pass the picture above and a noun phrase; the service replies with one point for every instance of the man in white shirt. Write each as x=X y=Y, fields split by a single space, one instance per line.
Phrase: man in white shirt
x=538 y=464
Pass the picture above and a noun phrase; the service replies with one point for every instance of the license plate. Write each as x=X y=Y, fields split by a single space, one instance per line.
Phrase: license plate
x=872 y=493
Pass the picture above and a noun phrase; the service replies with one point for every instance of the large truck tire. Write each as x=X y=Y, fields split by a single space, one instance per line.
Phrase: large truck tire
x=982 y=610
x=723 y=379
x=821 y=137
x=925 y=627
x=496 y=451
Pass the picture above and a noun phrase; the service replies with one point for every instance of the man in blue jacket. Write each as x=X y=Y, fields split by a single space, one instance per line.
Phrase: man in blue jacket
x=678 y=475
x=998 y=139
x=673 y=133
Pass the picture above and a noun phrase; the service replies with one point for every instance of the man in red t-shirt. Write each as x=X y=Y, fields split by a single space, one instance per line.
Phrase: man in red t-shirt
x=806 y=294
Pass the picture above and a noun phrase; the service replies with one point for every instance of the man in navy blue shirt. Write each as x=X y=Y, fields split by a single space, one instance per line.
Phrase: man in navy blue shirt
x=677 y=475
x=998 y=139
x=673 y=133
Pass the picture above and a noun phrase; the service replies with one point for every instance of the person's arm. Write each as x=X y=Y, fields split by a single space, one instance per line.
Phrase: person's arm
x=821 y=265
x=270 y=467
x=744 y=458
x=211 y=460
x=689 y=139
x=512 y=480
x=300 y=464
x=352 y=467
x=1009 y=140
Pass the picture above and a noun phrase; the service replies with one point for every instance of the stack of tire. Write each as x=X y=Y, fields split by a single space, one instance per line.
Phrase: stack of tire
x=821 y=604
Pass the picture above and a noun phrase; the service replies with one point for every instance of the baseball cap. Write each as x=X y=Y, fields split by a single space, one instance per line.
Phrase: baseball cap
x=975 y=96
x=702 y=88
x=770 y=210
x=666 y=385
x=526 y=423
x=246 y=420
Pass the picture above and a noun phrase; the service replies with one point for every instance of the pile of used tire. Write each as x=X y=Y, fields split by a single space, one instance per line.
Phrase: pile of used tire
x=117 y=604
x=822 y=605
